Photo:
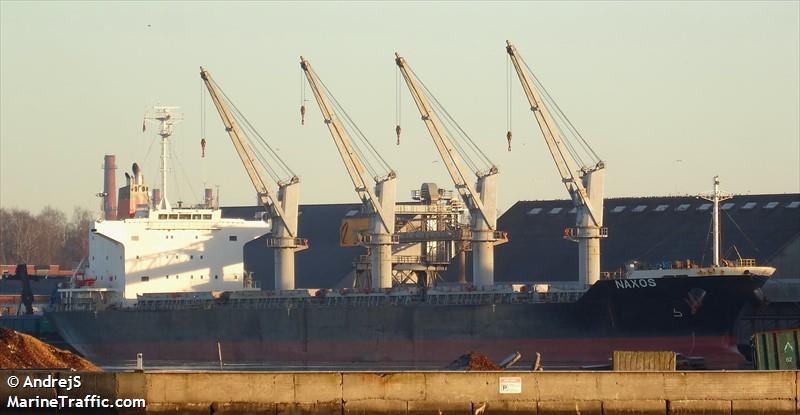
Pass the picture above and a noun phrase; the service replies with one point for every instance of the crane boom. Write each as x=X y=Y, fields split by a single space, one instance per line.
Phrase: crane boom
x=353 y=164
x=282 y=206
x=380 y=202
x=584 y=184
x=481 y=200
x=564 y=162
x=254 y=170
x=448 y=154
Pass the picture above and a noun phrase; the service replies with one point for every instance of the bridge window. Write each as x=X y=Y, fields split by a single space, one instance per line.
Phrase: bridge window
x=162 y=215
x=661 y=208
x=534 y=211
x=197 y=216
x=206 y=216
x=640 y=208
x=232 y=238
x=145 y=278
x=173 y=216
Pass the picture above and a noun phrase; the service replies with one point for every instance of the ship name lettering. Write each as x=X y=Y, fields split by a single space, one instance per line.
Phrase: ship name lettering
x=635 y=283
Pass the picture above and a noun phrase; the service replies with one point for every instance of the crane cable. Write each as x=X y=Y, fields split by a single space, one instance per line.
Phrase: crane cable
x=570 y=127
x=302 y=99
x=370 y=149
x=449 y=118
x=397 y=103
x=508 y=102
x=270 y=151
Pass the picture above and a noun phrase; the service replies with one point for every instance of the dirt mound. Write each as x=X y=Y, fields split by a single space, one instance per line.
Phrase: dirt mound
x=473 y=361
x=21 y=351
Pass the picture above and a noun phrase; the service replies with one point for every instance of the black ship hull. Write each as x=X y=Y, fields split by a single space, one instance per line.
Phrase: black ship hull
x=693 y=316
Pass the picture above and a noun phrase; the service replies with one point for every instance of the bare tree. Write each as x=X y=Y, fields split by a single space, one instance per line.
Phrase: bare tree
x=47 y=238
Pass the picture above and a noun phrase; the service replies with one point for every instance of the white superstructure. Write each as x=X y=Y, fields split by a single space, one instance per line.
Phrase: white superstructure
x=177 y=250
x=165 y=249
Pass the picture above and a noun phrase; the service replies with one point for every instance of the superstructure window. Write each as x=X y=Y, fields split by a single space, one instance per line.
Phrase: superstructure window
x=145 y=278
x=640 y=208
x=206 y=216
x=162 y=215
x=173 y=216
x=232 y=238
x=197 y=216
x=184 y=216
x=134 y=237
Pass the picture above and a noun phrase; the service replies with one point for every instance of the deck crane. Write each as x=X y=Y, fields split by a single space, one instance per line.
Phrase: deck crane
x=480 y=199
x=281 y=206
x=584 y=183
x=379 y=202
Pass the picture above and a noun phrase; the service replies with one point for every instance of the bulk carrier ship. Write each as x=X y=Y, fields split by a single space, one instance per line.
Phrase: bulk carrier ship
x=170 y=284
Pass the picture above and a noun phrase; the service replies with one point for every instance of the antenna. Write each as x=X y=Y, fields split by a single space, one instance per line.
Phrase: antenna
x=167 y=118
x=716 y=197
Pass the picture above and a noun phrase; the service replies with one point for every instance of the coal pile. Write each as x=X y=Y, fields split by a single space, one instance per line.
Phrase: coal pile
x=473 y=361
x=21 y=351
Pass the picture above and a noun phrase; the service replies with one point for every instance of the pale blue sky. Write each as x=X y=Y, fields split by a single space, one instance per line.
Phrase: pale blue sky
x=715 y=85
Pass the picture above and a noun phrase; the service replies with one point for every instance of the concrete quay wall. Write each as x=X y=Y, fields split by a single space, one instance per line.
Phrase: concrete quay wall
x=474 y=393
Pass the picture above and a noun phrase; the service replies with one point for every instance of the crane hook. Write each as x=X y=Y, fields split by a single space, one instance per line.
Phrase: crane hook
x=508 y=137
x=203 y=147
x=302 y=115
x=397 y=130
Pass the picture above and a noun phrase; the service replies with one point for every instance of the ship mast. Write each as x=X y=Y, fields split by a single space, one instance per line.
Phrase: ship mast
x=715 y=198
x=166 y=117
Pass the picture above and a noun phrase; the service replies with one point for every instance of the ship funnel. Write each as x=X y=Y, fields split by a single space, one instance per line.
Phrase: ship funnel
x=110 y=187
x=137 y=174
x=209 y=198
x=156 y=197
